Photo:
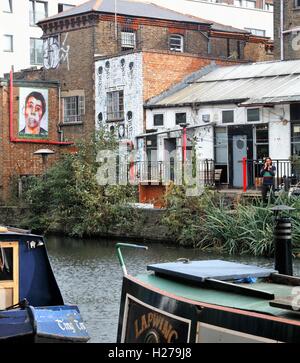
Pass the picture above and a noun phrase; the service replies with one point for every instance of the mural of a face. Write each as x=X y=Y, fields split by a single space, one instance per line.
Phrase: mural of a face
x=33 y=114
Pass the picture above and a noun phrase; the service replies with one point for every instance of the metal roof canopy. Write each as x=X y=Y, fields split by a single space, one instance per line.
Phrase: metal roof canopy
x=200 y=271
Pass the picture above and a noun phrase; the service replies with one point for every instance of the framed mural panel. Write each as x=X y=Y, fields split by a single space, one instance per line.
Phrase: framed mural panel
x=33 y=113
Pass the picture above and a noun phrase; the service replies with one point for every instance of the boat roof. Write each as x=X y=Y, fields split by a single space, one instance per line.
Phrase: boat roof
x=216 y=269
x=6 y=231
x=212 y=284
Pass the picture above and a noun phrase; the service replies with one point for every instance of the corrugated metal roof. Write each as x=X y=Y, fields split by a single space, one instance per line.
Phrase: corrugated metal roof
x=128 y=7
x=264 y=69
x=261 y=83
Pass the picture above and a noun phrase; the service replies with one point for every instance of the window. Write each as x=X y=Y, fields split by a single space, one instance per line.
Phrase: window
x=73 y=109
x=227 y=116
x=115 y=105
x=7 y=6
x=250 y=4
x=180 y=118
x=258 y=32
x=262 y=141
x=8 y=43
x=36 y=51
x=158 y=119
x=297 y=3
x=176 y=42
x=38 y=11
x=9 y=274
x=295 y=111
x=269 y=7
x=253 y=114
x=221 y=145
x=128 y=40
x=64 y=7
x=296 y=139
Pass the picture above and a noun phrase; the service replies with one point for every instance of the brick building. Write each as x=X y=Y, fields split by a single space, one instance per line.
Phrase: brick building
x=74 y=38
x=17 y=159
x=124 y=82
x=287 y=29
x=173 y=46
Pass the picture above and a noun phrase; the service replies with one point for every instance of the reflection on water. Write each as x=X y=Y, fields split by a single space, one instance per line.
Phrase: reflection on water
x=89 y=275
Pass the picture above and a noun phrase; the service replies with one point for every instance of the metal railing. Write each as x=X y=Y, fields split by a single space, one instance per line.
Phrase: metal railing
x=285 y=173
x=171 y=171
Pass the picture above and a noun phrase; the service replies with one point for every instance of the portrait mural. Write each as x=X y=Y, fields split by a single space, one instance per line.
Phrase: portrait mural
x=33 y=113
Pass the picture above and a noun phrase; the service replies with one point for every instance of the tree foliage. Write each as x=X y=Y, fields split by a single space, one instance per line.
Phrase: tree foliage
x=69 y=197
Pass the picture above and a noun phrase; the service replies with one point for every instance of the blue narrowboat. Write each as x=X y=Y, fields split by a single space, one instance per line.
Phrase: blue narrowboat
x=31 y=305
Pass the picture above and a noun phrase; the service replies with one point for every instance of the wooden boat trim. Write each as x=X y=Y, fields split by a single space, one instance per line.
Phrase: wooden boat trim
x=14 y=283
x=285 y=279
x=212 y=306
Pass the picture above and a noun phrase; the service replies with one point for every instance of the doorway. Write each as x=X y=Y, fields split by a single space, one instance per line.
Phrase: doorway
x=239 y=148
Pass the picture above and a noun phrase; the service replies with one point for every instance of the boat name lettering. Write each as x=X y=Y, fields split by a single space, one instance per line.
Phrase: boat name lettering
x=158 y=322
x=70 y=326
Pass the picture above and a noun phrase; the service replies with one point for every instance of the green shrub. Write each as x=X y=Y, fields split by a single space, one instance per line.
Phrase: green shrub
x=68 y=197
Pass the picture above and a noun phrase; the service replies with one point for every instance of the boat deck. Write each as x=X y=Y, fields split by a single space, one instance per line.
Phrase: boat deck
x=228 y=299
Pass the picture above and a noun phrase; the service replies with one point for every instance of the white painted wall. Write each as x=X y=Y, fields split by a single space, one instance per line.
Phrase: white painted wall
x=279 y=131
x=118 y=77
x=17 y=24
x=237 y=17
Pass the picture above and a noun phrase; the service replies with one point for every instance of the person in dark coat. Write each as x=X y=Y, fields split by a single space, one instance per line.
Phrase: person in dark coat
x=268 y=174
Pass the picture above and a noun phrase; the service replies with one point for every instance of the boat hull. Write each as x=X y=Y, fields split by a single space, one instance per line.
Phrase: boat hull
x=42 y=325
x=148 y=314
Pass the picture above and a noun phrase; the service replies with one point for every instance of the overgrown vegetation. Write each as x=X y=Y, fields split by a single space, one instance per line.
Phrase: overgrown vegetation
x=69 y=197
x=209 y=222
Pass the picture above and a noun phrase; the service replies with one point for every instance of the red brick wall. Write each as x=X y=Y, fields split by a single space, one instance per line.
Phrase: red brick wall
x=16 y=158
x=163 y=70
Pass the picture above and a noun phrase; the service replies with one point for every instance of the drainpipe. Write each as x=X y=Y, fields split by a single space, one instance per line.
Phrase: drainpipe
x=281 y=30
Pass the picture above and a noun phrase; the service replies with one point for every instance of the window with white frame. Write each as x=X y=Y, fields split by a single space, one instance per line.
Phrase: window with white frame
x=258 y=32
x=38 y=11
x=262 y=141
x=227 y=116
x=36 y=51
x=74 y=109
x=158 y=119
x=180 y=118
x=7 y=6
x=8 y=45
x=64 y=7
x=253 y=114
x=176 y=42
x=128 y=40
x=115 y=105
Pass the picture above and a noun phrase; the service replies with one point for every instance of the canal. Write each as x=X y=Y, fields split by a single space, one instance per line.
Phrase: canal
x=89 y=275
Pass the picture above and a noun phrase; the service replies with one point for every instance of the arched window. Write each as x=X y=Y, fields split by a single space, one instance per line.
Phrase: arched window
x=176 y=42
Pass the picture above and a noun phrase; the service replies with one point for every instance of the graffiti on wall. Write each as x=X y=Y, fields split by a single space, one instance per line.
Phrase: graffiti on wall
x=56 y=53
x=33 y=113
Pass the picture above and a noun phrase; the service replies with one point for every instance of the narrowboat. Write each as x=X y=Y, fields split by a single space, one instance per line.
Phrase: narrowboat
x=209 y=301
x=31 y=305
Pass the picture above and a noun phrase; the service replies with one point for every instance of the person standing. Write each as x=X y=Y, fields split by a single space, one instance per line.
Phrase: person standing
x=268 y=174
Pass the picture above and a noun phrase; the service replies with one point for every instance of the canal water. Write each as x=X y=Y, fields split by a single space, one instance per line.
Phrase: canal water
x=89 y=275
